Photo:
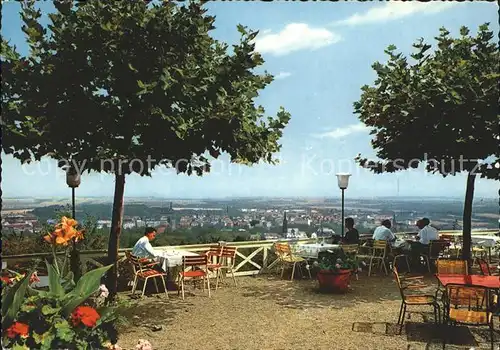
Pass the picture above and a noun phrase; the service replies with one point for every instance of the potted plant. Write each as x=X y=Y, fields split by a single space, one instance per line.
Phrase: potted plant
x=335 y=269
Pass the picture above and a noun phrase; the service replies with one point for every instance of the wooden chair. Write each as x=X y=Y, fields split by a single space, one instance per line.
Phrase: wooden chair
x=408 y=299
x=191 y=262
x=287 y=258
x=351 y=250
x=468 y=305
x=377 y=254
x=450 y=267
x=227 y=259
x=143 y=270
x=436 y=248
x=214 y=254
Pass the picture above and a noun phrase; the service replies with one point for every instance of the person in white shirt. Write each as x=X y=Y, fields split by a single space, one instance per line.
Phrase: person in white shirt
x=143 y=247
x=384 y=233
x=427 y=233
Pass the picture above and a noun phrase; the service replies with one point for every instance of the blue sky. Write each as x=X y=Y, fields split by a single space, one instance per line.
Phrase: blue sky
x=321 y=54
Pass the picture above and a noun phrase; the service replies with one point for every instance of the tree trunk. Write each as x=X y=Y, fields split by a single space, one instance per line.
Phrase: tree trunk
x=114 y=235
x=467 y=217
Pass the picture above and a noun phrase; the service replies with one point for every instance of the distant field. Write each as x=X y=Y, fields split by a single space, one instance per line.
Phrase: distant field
x=489 y=215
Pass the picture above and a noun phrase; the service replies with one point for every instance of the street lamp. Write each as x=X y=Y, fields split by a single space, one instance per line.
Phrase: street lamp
x=343 y=182
x=73 y=180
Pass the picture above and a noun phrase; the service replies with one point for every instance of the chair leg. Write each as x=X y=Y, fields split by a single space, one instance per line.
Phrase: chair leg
x=309 y=272
x=182 y=287
x=156 y=285
x=234 y=278
x=400 y=312
x=134 y=285
x=293 y=271
x=144 y=287
x=208 y=285
x=407 y=263
x=164 y=285
x=217 y=272
x=282 y=271
x=402 y=319
x=370 y=267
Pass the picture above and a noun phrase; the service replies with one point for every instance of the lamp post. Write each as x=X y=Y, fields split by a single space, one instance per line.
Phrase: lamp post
x=73 y=180
x=343 y=182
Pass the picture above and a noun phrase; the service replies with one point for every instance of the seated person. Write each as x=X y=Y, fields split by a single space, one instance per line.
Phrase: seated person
x=143 y=247
x=425 y=234
x=352 y=235
x=384 y=233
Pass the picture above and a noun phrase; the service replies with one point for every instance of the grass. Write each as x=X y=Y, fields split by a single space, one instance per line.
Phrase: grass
x=265 y=312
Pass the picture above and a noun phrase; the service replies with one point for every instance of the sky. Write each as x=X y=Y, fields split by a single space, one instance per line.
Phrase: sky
x=321 y=54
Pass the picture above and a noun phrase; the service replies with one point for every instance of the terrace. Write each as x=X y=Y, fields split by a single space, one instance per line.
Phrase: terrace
x=266 y=312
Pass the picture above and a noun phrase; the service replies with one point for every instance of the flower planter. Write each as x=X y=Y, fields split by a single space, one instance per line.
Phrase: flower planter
x=334 y=281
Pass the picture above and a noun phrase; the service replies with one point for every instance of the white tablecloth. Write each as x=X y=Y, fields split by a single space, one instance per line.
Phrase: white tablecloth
x=485 y=241
x=313 y=249
x=172 y=258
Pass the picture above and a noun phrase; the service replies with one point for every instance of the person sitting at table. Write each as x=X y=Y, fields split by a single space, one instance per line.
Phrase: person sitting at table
x=352 y=235
x=384 y=233
x=427 y=233
x=143 y=247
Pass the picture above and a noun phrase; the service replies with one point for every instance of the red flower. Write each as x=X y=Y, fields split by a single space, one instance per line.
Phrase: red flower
x=34 y=278
x=85 y=315
x=18 y=328
x=6 y=280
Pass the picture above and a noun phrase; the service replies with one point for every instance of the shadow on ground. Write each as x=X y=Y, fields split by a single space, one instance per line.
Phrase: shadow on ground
x=457 y=337
x=305 y=294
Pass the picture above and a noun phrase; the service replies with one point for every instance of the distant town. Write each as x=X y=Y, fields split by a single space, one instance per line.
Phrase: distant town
x=260 y=218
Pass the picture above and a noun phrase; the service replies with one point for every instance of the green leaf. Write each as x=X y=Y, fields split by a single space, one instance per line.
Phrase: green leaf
x=86 y=286
x=13 y=299
x=64 y=331
x=55 y=286
x=48 y=310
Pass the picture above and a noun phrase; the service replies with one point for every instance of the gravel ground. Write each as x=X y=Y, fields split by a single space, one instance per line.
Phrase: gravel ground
x=265 y=312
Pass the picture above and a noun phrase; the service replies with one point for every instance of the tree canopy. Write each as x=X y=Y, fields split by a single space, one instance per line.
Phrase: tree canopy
x=439 y=107
x=125 y=86
x=131 y=80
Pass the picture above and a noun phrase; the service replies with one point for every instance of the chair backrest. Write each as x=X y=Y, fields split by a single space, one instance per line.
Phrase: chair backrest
x=380 y=248
x=214 y=250
x=398 y=281
x=436 y=247
x=452 y=267
x=197 y=260
x=460 y=296
x=483 y=266
x=282 y=248
x=229 y=252
x=350 y=248
x=228 y=256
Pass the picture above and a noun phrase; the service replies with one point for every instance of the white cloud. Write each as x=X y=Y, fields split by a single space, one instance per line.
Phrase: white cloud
x=295 y=37
x=345 y=131
x=395 y=10
x=282 y=75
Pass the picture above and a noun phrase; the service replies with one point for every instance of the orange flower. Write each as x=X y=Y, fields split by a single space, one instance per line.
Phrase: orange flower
x=64 y=232
x=86 y=315
x=18 y=328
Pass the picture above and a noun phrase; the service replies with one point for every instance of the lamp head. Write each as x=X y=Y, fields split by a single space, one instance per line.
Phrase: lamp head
x=343 y=180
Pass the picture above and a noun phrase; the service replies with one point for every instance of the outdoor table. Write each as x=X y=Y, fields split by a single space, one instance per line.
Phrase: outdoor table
x=173 y=258
x=491 y=282
x=312 y=250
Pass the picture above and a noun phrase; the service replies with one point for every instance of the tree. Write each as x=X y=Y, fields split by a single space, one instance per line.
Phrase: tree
x=124 y=87
x=441 y=109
